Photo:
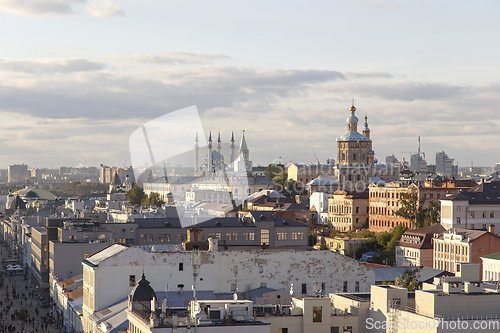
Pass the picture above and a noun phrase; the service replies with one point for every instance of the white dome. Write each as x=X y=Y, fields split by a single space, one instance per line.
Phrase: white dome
x=352 y=118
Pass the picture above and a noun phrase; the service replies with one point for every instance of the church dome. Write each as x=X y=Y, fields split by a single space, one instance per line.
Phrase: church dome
x=143 y=292
x=352 y=119
x=216 y=156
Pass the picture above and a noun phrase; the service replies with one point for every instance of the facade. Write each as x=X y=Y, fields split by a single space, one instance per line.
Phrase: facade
x=385 y=200
x=415 y=248
x=110 y=275
x=491 y=267
x=338 y=244
x=462 y=246
x=17 y=173
x=303 y=173
x=475 y=209
x=444 y=165
x=348 y=210
x=383 y=204
x=418 y=163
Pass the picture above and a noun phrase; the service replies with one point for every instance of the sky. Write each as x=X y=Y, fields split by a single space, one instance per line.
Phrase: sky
x=78 y=77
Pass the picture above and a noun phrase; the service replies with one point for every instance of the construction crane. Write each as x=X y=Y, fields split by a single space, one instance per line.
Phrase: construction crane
x=316 y=158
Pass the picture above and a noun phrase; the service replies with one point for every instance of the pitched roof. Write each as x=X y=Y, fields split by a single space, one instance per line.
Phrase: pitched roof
x=116 y=180
x=420 y=238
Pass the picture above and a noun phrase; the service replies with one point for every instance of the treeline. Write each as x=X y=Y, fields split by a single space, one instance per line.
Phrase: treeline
x=77 y=188
x=384 y=244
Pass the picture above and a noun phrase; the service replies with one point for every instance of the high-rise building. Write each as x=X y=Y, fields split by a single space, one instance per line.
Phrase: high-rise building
x=18 y=173
x=444 y=164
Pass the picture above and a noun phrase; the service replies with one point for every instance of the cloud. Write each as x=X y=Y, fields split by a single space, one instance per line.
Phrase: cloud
x=49 y=66
x=401 y=90
x=173 y=58
x=377 y=4
x=102 y=95
x=104 y=8
x=39 y=7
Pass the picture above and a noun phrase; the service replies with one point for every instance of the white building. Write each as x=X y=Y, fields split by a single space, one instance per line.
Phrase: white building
x=491 y=267
x=111 y=274
x=475 y=209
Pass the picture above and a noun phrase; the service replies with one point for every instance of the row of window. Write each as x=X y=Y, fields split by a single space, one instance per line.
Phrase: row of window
x=451 y=248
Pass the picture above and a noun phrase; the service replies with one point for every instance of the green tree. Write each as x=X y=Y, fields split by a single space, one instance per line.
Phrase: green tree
x=432 y=213
x=272 y=170
x=22 y=314
x=153 y=199
x=323 y=247
x=408 y=279
x=281 y=179
x=136 y=195
x=412 y=208
x=396 y=234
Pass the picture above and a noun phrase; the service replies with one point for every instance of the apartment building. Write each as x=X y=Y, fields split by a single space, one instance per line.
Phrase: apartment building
x=415 y=248
x=462 y=246
x=348 y=210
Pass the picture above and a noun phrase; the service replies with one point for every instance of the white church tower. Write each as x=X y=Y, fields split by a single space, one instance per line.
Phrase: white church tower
x=243 y=163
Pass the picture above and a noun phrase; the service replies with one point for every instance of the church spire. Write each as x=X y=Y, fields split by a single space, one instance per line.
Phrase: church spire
x=366 y=130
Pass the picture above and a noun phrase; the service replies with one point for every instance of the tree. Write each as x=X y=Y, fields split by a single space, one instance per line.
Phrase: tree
x=22 y=314
x=323 y=247
x=272 y=170
x=409 y=279
x=136 y=195
x=432 y=213
x=412 y=208
x=281 y=178
x=153 y=199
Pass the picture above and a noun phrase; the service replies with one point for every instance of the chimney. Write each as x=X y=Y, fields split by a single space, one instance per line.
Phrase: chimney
x=491 y=228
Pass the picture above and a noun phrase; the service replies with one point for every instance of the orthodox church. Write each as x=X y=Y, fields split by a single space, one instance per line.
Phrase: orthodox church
x=214 y=160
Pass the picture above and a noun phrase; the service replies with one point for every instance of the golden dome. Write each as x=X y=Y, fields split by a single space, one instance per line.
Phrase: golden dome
x=352 y=108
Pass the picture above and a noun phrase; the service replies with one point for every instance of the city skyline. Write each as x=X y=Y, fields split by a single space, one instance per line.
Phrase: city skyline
x=77 y=78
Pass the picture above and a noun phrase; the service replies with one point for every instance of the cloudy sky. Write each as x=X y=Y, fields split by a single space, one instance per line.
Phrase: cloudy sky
x=78 y=77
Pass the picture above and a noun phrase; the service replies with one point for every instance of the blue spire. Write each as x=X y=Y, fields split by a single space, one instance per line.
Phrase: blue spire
x=218 y=139
x=232 y=136
x=210 y=136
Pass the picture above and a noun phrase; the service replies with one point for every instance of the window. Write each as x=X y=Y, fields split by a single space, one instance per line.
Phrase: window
x=72 y=238
x=459 y=208
x=458 y=219
x=147 y=238
x=334 y=329
x=484 y=215
x=297 y=235
x=492 y=214
x=357 y=210
x=132 y=280
x=356 y=287
x=249 y=236
x=283 y=330
x=304 y=288
x=180 y=237
x=281 y=236
x=162 y=238
x=344 y=289
x=215 y=235
x=233 y=286
x=261 y=269
x=317 y=314
x=264 y=237
x=472 y=214
x=86 y=255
